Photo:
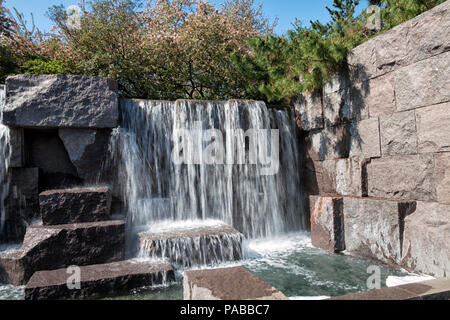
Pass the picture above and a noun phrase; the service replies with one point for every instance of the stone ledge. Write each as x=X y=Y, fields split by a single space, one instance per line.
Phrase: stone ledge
x=227 y=284
x=438 y=289
x=97 y=281
x=75 y=205
x=54 y=247
x=186 y=247
x=60 y=101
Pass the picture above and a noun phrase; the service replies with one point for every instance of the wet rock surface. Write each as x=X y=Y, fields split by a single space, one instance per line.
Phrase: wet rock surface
x=97 y=281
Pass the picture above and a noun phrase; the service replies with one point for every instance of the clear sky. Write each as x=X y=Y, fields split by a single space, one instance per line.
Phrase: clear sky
x=285 y=10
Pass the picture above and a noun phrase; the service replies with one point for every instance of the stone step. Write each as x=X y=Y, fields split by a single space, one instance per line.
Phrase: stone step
x=98 y=281
x=75 y=205
x=235 y=283
x=193 y=246
x=54 y=247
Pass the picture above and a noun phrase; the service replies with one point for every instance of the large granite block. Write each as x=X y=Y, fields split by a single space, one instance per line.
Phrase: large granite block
x=75 y=205
x=424 y=83
x=398 y=134
x=227 y=284
x=351 y=178
x=408 y=177
x=55 y=247
x=60 y=101
x=373 y=227
x=381 y=96
x=433 y=128
x=426 y=244
x=17 y=143
x=98 y=281
x=365 y=139
x=327 y=223
x=330 y=143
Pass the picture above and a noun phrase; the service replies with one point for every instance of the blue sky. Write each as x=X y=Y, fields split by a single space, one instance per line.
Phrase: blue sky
x=285 y=10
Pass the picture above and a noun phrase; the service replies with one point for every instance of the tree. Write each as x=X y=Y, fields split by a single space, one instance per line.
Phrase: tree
x=163 y=49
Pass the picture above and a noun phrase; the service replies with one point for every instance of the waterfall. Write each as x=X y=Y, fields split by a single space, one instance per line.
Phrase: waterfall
x=155 y=188
x=5 y=151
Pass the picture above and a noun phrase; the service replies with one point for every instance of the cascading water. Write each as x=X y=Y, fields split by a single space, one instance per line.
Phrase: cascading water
x=156 y=189
x=5 y=151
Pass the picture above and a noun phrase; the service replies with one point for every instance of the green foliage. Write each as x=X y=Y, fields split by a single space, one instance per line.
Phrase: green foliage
x=43 y=65
x=307 y=57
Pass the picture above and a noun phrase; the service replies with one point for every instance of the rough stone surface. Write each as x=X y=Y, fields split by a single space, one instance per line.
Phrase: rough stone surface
x=381 y=97
x=319 y=177
x=402 y=177
x=75 y=206
x=60 y=101
x=433 y=128
x=426 y=244
x=373 y=227
x=227 y=284
x=424 y=83
x=86 y=148
x=327 y=223
x=22 y=202
x=16 y=141
x=309 y=109
x=365 y=139
x=350 y=177
x=198 y=245
x=330 y=143
x=398 y=134
x=98 y=281
x=362 y=62
x=55 y=247
x=442 y=177
x=438 y=289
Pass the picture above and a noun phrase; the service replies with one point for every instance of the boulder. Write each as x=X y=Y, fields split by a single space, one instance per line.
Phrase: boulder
x=426 y=244
x=433 y=128
x=193 y=246
x=309 y=109
x=424 y=83
x=55 y=247
x=442 y=177
x=60 y=101
x=227 y=284
x=98 y=281
x=398 y=134
x=327 y=223
x=75 y=205
x=373 y=227
x=86 y=148
x=409 y=177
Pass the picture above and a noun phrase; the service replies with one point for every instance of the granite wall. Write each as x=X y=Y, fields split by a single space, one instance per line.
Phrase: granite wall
x=377 y=164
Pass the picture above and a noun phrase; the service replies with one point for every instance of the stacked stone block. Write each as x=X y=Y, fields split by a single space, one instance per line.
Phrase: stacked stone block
x=381 y=134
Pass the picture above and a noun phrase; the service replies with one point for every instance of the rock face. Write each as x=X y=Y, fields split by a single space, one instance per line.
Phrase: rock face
x=98 y=281
x=54 y=247
x=442 y=177
x=433 y=128
x=402 y=177
x=398 y=134
x=309 y=110
x=208 y=245
x=227 y=284
x=373 y=227
x=60 y=101
x=86 y=148
x=426 y=244
x=327 y=223
x=75 y=206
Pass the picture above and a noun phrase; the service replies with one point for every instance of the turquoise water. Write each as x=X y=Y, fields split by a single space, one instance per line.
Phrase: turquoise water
x=290 y=264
